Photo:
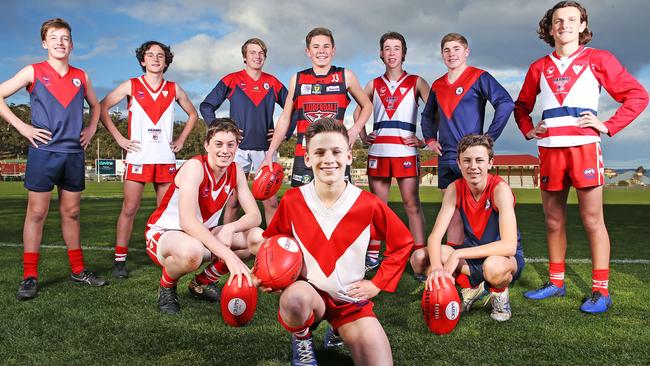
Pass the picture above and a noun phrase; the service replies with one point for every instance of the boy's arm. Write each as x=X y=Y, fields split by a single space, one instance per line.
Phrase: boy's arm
x=252 y=216
x=429 y=123
x=95 y=110
x=192 y=116
x=22 y=79
x=501 y=102
x=281 y=126
x=282 y=100
x=365 y=138
x=213 y=101
x=360 y=96
x=526 y=102
x=507 y=245
x=422 y=92
x=434 y=242
x=115 y=96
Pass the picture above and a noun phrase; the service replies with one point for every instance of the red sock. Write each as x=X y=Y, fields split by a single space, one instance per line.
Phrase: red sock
x=600 y=281
x=210 y=274
x=497 y=290
x=30 y=265
x=302 y=331
x=418 y=246
x=462 y=280
x=120 y=253
x=166 y=280
x=76 y=258
x=556 y=273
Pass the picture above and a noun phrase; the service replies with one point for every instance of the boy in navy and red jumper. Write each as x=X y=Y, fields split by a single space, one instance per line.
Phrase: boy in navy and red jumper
x=57 y=140
x=568 y=82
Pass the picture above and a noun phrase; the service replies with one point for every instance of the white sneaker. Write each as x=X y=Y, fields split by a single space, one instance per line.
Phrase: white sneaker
x=500 y=305
x=472 y=295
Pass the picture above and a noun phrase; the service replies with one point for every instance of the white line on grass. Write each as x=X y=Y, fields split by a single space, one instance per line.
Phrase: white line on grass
x=528 y=260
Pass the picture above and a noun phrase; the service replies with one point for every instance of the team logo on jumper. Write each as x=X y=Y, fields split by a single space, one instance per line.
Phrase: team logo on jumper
x=332 y=88
x=391 y=102
x=577 y=69
x=407 y=164
x=317 y=89
x=590 y=173
x=305 y=89
x=155 y=133
x=76 y=82
x=403 y=90
x=488 y=204
x=314 y=111
x=164 y=93
x=266 y=86
x=561 y=82
x=459 y=90
x=227 y=188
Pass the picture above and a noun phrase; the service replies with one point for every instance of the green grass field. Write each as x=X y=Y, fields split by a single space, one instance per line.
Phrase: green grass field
x=120 y=324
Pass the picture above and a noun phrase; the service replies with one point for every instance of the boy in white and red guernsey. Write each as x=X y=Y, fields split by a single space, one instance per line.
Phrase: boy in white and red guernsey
x=182 y=232
x=318 y=92
x=253 y=95
x=568 y=136
x=333 y=221
x=57 y=139
x=393 y=150
x=150 y=146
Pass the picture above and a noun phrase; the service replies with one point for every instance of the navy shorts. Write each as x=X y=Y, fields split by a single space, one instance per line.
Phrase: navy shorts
x=447 y=174
x=476 y=267
x=301 y=174
x=46 y=169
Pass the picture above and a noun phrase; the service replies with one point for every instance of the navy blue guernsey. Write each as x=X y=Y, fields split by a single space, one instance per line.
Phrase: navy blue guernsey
x=252 y=103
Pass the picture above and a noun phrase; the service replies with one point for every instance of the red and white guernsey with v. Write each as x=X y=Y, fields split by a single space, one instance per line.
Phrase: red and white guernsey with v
x=151 y=122
x=212 y=196
x=395 y=112
x=334 y=240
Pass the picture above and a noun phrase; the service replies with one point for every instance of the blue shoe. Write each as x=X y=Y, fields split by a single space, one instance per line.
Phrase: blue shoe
x=420 y=277
x=372 y=264
x=597 y=303
x=302 y=352
x=546 y=291
x=332 y=340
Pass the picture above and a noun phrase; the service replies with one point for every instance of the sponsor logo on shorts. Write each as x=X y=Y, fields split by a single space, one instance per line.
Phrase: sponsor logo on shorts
x=305 y=89
x=136 y=169
x=407 y=164
x=544 y=179
x=333 y=88
x=459 y=90
x=171 y=169
x=372 y=163
x=590 y=173
x=76 y=82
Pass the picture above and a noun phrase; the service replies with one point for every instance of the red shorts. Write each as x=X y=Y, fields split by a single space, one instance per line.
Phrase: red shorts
x=578 y=166
x=393 y=167
x=150 y=173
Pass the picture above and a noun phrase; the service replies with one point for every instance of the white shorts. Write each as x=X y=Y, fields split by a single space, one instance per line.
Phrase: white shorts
x=250 y=160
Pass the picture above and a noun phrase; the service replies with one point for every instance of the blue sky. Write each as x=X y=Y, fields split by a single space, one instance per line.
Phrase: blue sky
x=206 y=36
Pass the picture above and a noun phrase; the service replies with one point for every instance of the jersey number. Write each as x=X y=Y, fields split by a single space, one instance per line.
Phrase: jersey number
x=335 y=78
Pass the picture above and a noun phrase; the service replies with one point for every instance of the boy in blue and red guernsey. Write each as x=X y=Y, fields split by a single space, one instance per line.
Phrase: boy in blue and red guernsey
x=568 y=83
x=57 y=140
x=253 y=95
x=491 y=252
x=459 y=98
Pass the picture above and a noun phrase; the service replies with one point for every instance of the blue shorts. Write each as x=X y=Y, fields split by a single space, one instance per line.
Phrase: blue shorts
x=447 y=174
x=46 y=169
x=476 y=267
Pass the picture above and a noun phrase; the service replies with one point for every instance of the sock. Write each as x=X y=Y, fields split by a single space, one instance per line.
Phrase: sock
x=76 y=258
x=600 y=281
x=462 y=280
x=30 y=265
x=212 y=272
x=373 y=250
x=418 y=246
x=302 y=331
x=166 y=280
x=497 y=290
x=120 y=253
x=556 y=273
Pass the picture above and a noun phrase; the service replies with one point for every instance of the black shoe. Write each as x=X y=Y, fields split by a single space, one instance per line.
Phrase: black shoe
x=119 y=270
x=88 y=278
x=205 y=292
x=168 y=301
x=28 y=288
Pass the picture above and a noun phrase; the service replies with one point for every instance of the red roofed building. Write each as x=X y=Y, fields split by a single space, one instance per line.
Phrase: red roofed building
x=520 y=171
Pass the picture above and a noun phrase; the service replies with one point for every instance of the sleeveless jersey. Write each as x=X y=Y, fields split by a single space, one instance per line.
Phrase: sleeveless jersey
x=213 y=194
x=395 y=114
x=151 y=121
x=570 y=86
x=57 y=104
x=480 y=218
x=318 y=96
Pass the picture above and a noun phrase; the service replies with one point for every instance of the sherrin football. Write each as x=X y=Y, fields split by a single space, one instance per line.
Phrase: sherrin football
x=278 y=262
x=238 y=304
x=267 y=182
x=441 y=308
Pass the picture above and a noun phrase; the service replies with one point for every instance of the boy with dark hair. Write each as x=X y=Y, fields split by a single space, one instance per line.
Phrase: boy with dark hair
x=491 y=254
x=253 y=95
x=57 y=139
x=150 y=147
x=568 y=137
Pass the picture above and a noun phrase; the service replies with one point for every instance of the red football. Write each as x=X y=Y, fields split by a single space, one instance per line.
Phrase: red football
x=238 y=304
x=441 y=308
x=267 y=182
x=278 y=262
